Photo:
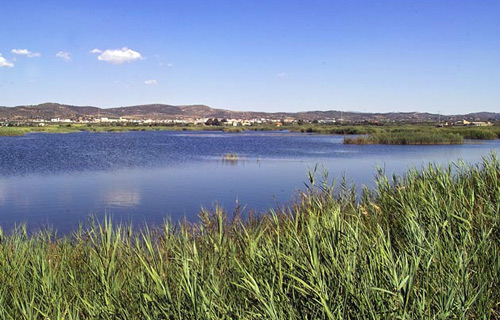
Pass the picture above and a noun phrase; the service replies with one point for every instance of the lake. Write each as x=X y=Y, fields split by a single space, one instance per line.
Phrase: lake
x=59 y=180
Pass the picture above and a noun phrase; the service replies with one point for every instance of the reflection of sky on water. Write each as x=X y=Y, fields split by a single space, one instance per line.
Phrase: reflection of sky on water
x=177 y=180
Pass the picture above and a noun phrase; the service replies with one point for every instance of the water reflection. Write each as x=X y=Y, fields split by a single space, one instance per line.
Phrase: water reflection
x=146 y=176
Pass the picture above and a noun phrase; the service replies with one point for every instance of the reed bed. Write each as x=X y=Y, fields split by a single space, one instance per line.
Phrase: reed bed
x=413 y=131
x=337 y=129
x=484 y=133
x=407 y=138
x=425 y=245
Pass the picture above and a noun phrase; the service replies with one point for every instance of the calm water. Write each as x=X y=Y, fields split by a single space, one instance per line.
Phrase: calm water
x=60 y=179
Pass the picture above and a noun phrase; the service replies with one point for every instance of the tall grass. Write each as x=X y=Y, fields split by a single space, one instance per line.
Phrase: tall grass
x=419 y=246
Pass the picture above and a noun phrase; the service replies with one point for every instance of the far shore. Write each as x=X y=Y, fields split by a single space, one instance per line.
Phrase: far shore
x=410 y=134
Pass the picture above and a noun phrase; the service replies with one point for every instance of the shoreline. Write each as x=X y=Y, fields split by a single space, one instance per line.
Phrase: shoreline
x=367 y=135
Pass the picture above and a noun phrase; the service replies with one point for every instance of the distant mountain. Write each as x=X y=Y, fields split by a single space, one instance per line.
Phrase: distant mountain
x=49 y=111
x=484 y=115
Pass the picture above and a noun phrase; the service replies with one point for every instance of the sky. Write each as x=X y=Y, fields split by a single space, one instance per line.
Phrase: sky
x=351 y=55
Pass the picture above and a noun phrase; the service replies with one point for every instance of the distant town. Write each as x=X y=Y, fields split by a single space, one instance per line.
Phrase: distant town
x=211 y=122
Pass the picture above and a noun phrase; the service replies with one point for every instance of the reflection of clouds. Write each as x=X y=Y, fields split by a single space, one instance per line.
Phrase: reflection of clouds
x=122 y=198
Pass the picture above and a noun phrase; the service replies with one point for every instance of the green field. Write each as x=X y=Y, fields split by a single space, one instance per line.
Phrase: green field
x=425 y=245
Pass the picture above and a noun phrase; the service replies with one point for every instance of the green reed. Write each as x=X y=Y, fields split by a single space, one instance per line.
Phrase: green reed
x=425 y=245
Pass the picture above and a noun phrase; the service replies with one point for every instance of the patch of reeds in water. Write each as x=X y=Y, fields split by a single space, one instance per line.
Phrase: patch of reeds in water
x=419 y=246
x=230 y=157
x=407 y=138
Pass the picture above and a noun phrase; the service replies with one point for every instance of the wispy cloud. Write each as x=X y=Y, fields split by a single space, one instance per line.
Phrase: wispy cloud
x=66 y=56
x=5 y=63
x=282 y=75
x=118 y=56
x=26 y=52
x=151 y=82
x=168 y=65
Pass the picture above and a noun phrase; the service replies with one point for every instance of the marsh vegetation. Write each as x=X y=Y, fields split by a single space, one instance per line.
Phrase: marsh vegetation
x=479 y=133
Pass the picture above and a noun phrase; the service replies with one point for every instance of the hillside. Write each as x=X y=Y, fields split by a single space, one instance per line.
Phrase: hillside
x=163 y=111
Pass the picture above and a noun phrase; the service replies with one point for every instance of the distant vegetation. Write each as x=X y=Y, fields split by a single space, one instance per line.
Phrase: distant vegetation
x=407 y=138
x=420 y=246
x=21 y=130
x=331 y=129
x=479 y=133
x=488 y=133
x=424 y=135
x=233 y=129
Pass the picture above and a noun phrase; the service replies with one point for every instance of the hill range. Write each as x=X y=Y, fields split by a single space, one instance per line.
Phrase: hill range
x=49 y=111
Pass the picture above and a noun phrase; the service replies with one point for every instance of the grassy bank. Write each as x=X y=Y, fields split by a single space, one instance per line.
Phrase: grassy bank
x=20 y=131
x=424 y=245
x=407 y=138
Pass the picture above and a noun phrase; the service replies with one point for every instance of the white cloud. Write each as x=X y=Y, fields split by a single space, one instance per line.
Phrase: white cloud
x=151 y=82
x=282 y=75
x=26 y=52
x=5 y=63
x=118 y=56
x=66 y=56
x=21 y=51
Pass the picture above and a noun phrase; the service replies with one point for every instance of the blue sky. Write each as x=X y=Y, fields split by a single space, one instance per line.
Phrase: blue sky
x=425 y=55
